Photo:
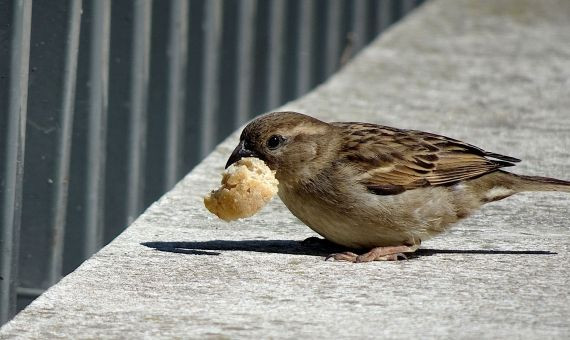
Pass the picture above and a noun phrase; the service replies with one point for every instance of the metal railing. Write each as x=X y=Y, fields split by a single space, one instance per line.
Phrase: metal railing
x=104 y=105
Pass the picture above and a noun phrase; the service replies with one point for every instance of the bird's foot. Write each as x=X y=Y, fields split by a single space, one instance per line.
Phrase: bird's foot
x=346 y=256
x=375 y=254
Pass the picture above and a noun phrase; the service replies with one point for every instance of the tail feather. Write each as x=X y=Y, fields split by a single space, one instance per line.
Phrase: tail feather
x=537 y=183
x=502 y=184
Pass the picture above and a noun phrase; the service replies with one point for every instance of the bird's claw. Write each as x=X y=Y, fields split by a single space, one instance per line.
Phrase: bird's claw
x=391 y=257
x=394 y=253
x=346 y=256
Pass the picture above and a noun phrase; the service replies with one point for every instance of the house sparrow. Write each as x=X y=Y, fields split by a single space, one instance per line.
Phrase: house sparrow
x=363 y=185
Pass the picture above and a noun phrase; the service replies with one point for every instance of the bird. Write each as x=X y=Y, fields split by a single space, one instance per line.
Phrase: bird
x=378 y=188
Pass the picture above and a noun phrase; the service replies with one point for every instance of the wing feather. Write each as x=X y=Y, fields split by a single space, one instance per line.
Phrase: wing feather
x=391 y=160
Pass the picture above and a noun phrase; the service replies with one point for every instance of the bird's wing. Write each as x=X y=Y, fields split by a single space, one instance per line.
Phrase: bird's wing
x=390 y=161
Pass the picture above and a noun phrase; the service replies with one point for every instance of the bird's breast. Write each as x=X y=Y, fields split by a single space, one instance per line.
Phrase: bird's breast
x=342 y=219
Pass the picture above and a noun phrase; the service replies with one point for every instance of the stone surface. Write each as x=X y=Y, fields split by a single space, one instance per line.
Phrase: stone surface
x=493 y=73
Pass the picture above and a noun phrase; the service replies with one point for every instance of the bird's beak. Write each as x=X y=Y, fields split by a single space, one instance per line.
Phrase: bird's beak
x=240 y=152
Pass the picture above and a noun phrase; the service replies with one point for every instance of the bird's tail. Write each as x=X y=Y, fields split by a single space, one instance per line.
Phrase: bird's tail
x=501 y=184
x=522 y=183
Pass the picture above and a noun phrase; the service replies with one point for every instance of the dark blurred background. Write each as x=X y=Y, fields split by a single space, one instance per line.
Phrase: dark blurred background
x=105 y=105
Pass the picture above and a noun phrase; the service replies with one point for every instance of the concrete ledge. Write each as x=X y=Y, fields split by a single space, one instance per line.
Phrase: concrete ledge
x=494 y=73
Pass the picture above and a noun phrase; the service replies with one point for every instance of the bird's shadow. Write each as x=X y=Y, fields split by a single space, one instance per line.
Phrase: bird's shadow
x=311 y=246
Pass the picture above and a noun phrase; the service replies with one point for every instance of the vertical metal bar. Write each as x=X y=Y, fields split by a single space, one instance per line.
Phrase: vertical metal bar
x=210 y=90
x=276 y=41
x=304 y=55
x=384 y=15
x=64 y=140
x=138 y=115
x=178 y=59
x=358 y=25
x=96 y=135
x=407 y=6
x=15 y=148
x=247 y=13
x=333 y=36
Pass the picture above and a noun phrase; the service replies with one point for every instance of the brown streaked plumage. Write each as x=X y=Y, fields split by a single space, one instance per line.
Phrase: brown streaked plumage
x=364 y=185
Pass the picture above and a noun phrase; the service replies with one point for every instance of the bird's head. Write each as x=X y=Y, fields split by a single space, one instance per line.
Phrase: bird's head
x=292 y=144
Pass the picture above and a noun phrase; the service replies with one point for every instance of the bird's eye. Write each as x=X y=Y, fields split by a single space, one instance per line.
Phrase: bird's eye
x=274 y=141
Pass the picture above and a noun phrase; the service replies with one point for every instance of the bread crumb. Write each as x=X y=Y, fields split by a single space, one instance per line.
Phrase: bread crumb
x=247 y=186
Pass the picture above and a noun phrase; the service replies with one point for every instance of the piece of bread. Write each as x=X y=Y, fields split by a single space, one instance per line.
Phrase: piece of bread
x=247 y=186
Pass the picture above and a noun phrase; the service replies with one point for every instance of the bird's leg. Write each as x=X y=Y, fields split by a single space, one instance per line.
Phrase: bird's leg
x=392 y=253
